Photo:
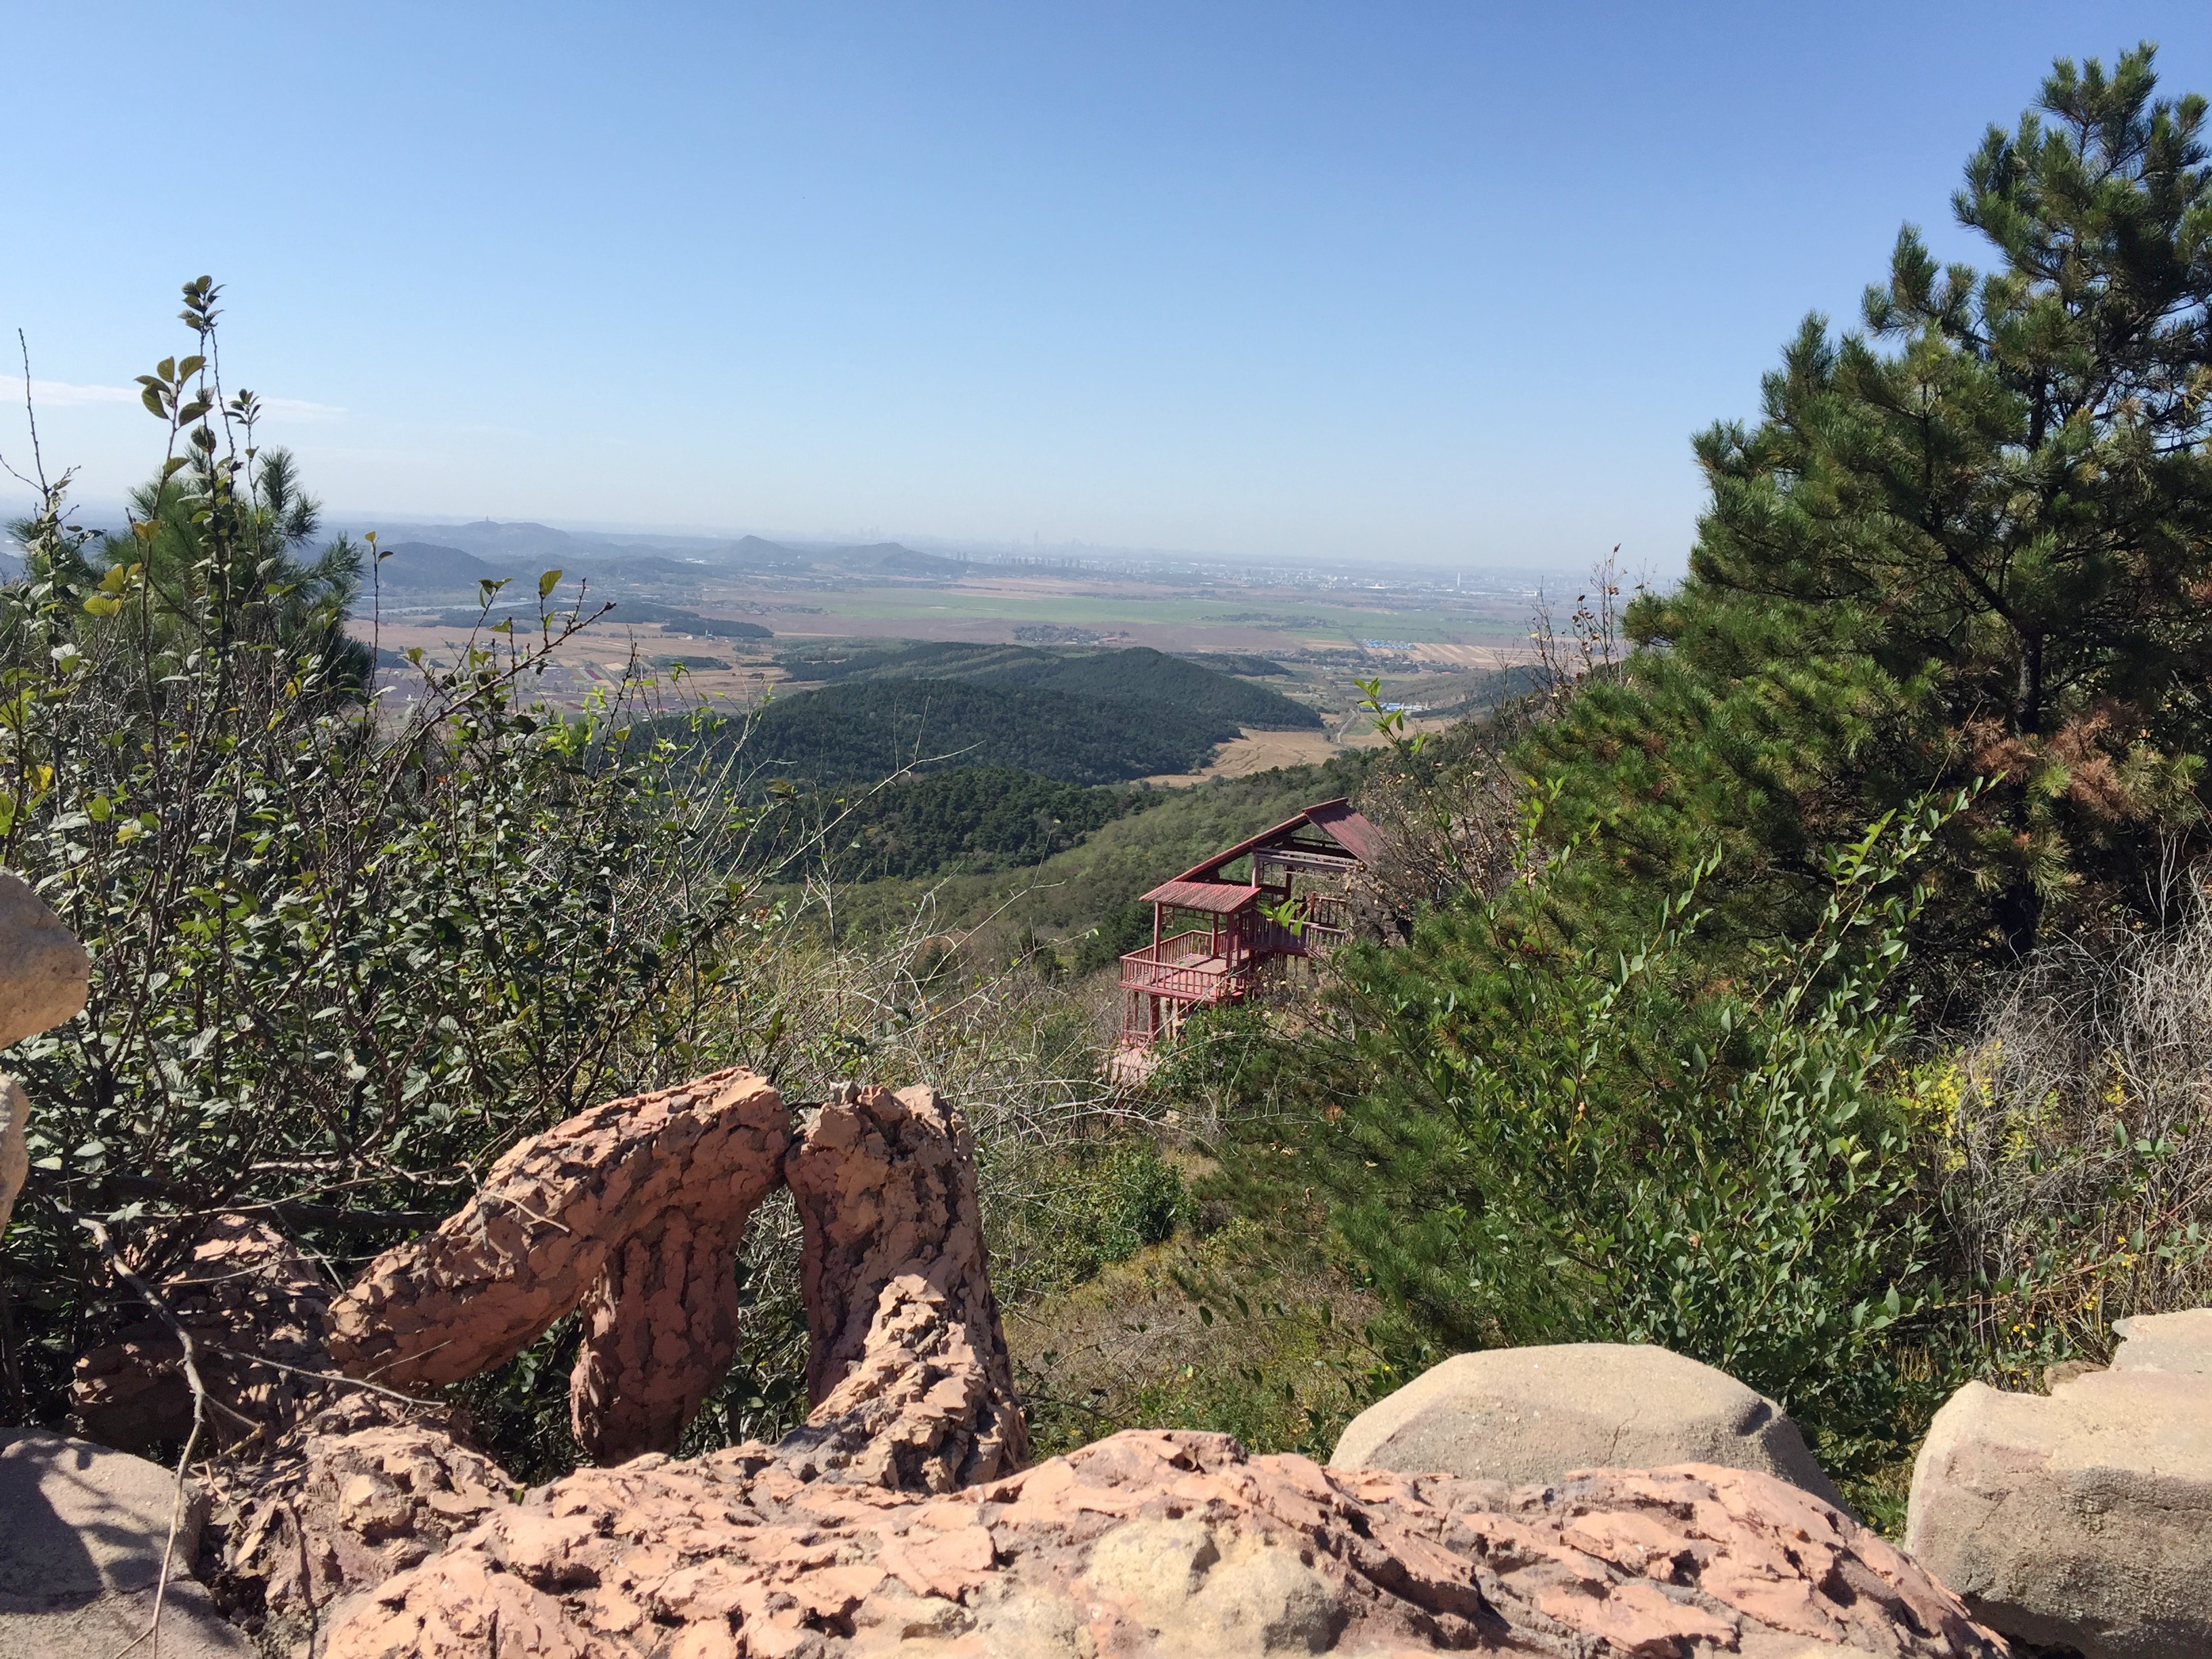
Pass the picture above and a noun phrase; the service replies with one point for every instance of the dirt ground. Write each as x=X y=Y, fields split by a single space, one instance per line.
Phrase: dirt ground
x=1262 y=752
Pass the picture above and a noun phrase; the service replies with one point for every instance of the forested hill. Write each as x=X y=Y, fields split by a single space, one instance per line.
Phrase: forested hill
x=1144 y=672
x=965 y=821
x=1139 y=672
x=872 y=729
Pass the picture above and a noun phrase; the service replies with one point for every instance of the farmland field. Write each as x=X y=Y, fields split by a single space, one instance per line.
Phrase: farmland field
x=1427 y=644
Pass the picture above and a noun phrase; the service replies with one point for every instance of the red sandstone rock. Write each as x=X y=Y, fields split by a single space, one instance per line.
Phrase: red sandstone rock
x=895 y=1517
x=907 y=1365
x=633 y=1210
x=1161 y=1543
x=244 y=1292
x=363 y=1494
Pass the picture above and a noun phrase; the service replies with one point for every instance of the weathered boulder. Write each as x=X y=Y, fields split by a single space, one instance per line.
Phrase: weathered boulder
x=44 y=971
x=1161 y=1543
x=247 y=1297
x=2082 y=1519
x=632 y=1211
x=83 y=1534
x=44 y=978
x=1536 y=1414
x=14 y=1146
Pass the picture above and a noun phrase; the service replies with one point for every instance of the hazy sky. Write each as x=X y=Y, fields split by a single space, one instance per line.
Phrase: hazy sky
x=1449 y=281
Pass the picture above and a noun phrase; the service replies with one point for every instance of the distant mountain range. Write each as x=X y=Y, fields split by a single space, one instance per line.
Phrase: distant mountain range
x=451 y=557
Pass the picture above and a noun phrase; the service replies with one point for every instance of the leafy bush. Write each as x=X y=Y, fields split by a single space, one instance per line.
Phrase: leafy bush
x=1516 y=1136
x=346 y=946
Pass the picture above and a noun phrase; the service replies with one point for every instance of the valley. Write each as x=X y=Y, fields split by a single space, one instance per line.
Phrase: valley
x=688 y=610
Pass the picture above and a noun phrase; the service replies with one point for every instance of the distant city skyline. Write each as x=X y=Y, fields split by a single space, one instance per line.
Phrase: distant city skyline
x=1439 y=285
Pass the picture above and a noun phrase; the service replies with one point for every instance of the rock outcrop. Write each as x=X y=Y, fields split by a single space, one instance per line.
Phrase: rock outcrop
x=2083 y=1519
x=907 y=1365
x=1161 y=1543
x=633 y=1212
x=367 y=1488
x=1536 y=1414
x=84 y=1534
x=898 y=1514
x=44 y=978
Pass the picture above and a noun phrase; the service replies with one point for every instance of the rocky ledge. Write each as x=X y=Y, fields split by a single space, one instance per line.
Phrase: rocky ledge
x=899 y=1515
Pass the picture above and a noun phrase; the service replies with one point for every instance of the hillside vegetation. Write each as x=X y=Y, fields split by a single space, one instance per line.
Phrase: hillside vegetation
x=1079 y=906
x=969 y=820
x=1812 y=989
x=1137 y=672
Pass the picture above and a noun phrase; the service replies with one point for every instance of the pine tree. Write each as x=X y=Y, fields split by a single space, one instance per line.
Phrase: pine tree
x=1972 y=539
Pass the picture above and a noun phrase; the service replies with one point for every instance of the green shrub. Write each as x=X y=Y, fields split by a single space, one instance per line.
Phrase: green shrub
x=345 y=947
x=1517 y=1138
x=1089 y=1204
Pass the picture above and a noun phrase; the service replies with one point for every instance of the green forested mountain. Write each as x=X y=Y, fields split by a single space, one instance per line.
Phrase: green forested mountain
x=870 y=729
x=1236 y=662
x=967 y=820
x=1140 y=671
x=1144 y=672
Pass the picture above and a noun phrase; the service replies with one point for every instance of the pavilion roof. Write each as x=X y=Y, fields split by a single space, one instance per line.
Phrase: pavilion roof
x=1217 y=897
x=1334 y=819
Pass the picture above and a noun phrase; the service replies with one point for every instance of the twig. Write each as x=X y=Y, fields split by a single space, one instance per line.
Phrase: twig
x=38 y=460
x=200 y=1401
x=338 y=1377
x=291 y=1210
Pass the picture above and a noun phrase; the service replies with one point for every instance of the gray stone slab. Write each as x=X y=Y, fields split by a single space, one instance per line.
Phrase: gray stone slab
x=1532 y=1415
x=2166 y=1342
x=2082 y=1519
x=82 y=1532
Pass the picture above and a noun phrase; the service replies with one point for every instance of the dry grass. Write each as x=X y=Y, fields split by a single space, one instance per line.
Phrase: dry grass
x=1260 y=751
x=2076 y=1132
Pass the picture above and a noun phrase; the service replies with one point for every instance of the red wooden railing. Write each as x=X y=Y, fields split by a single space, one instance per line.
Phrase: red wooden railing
x=1169 y=969
x=1233 y=956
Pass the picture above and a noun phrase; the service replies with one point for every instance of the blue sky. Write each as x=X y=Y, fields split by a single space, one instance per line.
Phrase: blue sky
x=1449 y=283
